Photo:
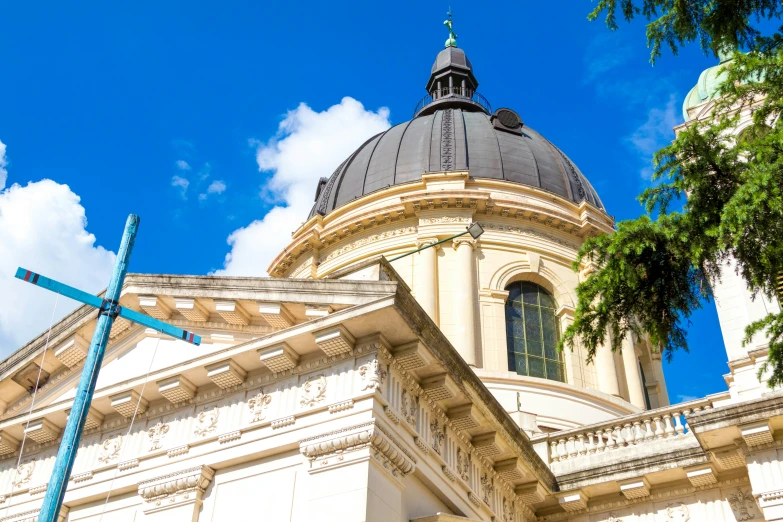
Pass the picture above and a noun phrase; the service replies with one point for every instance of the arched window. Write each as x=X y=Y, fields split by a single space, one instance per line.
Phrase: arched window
x=532 y=333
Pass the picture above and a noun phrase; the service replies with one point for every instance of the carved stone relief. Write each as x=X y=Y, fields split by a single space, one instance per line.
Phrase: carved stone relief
x=156 y=434
x=742 y=503
x=437 y=435
x=677 y=513
x=313 y=390
x=110 y=449
x=372 y=374
x=206 y=422
x=24 y=473
x=258 y=404
x=508 y=510
x=486 y=488
x=463 y=464
x=410 y=407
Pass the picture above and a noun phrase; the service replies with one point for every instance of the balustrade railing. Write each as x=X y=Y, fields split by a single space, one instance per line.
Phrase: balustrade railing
x=664 y=423
x=451 y=93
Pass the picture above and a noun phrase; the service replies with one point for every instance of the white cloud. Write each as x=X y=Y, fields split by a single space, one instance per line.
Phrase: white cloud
x=655 y=133
x=182 y=165
x=3 y=164
x=604 y=53
x=216 y=187
x=43 y=229
x=182 y=184
x=308 y=145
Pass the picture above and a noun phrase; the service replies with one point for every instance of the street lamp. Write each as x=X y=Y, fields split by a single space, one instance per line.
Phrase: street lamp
x=474 y=229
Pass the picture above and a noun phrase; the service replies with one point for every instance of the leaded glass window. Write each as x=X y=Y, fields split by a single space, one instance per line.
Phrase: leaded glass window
x=532 y=332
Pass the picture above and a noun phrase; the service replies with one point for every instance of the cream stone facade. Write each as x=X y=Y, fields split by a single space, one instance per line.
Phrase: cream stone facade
x=350 y=388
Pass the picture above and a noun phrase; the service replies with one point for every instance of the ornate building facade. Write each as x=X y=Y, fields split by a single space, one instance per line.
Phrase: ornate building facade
x=427 y=388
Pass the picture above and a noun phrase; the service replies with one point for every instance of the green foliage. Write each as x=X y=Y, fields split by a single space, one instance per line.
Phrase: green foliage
x=654 y=271
x=715 y=24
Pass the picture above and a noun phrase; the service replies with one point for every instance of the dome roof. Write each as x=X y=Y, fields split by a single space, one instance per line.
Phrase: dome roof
x=707 y=86
x=455 y=139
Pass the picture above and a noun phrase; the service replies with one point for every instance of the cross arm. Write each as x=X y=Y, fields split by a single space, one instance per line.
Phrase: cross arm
x=97 y=302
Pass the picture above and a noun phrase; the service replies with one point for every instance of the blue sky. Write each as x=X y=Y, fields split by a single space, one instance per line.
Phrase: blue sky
x=190 y=114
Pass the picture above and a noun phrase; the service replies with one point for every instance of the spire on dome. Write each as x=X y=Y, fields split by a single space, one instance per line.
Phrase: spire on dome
x=452 y=41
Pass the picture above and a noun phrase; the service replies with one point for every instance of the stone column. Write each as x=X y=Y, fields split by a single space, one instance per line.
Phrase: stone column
x=660 y=379
x=606 y=369
x=426 y=277
x=175 y=497
x=632 y=377
x=465 y=303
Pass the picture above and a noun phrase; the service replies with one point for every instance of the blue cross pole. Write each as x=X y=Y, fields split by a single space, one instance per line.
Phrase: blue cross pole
x=110 y=309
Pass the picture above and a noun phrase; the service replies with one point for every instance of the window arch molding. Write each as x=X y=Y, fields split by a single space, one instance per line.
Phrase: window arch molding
x=544 y=277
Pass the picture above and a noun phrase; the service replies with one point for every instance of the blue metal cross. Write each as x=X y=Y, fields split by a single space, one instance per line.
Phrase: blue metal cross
x=109 y=310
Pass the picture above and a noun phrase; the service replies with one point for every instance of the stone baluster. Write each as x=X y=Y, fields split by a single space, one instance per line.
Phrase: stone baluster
x=638 y=433
x=610 y=442
x=580 y=444
x=561 y=449
x=590 y=442
x=648 y=430
x=659 y=433
x=685 y=414
x=669 y=430
x=678 y=427
x=600 y=447
x=618 y=436
x=554 y=455
x=571 y=447
x=629 y=434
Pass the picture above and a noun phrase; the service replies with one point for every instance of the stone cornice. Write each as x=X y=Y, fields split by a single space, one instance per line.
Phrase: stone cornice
x=188 y=481
x=736 y=414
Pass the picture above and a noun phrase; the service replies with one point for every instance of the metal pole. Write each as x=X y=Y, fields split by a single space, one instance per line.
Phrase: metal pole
x=92 y=365
x=428 y=246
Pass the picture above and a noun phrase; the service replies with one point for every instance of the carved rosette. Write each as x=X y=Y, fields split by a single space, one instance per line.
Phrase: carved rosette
x=677 y=512
x=372 y=373
x=258 y=404
x=174 y=489
x=369 y=435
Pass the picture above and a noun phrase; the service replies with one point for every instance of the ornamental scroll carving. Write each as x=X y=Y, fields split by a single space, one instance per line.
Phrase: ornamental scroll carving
x=110 y=449
x=410 y=407
x=367 y=240
x=258 y=406
x=508 y=510
x=532 y=233
x=24 y=473
x=742 y=503
x=677 y=513
x=372 y=374
x=313 y=390
x=156 y=434
x=463 y=464
x=486 y=488
x=437 y=435
x=206 y=422
x=443 y=219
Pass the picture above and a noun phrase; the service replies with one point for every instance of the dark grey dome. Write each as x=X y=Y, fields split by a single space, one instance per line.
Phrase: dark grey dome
x=453 y=139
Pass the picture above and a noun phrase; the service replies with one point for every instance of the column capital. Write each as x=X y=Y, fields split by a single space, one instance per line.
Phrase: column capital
x=426 y=241
x=464 y=240
x=176 y=489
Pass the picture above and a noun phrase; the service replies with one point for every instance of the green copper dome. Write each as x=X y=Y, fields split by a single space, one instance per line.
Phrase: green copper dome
x=706 y=88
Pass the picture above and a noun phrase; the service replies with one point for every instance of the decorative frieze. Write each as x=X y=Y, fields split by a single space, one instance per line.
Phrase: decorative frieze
x=110 y=450
x=372 y=374
x=258 y=405
x=226 y=374
x=156 y=434
x=177 y=389
x=276 y=315
x=206 y=421
x=129 y=403
x=635 y=488
x=155 y=307
x=334 y=341
x=191 y=309
x=42 y=430
x=232 y=312
x=186 y=485
x=24 y=472
x=278 y=358
x=72 y=351
x=313 y=391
